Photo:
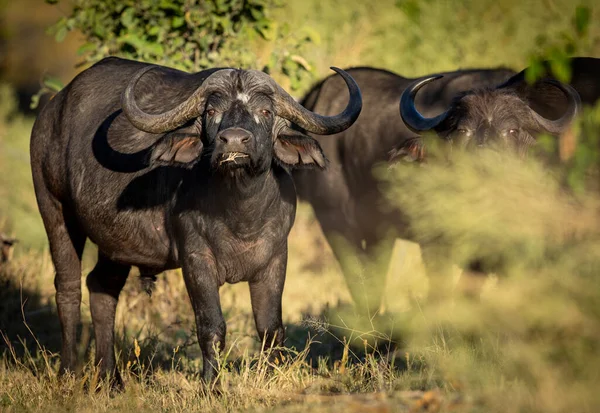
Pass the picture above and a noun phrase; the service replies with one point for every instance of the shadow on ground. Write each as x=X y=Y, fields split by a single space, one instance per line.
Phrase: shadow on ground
x=24 y=310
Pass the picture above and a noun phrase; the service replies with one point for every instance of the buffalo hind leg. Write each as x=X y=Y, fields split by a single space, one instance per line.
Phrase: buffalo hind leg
x=265 y=293
x=438 y=267
x=105 y=283
x=376 y=261
x=66 y=247
x=364 y=276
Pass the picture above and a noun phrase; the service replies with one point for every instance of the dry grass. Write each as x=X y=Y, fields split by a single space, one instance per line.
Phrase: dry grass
x=528 y=344
x=161 y=360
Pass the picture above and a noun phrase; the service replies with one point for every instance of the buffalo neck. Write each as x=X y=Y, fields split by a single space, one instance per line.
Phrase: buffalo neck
x=245 y=191
x=243 y=202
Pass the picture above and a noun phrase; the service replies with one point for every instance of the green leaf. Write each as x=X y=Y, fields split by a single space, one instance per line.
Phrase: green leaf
x=153 y=31
x=534 y=71
x=153 y=48
x=86 y=48
x=131 y=40
x=127 y=18
x=561 y=69
x=177 y=22
x=257 y=14
x=35 y=100
x=169 y=5
x=61 y=33
x=53 y=84
x=582 y=19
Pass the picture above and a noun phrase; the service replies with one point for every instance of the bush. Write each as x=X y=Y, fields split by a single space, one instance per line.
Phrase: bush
x=189 y=35
x=528 y=342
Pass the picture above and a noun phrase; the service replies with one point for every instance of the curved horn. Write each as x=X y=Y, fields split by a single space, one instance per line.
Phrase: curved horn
x=558 y=126
x=293 y=111
x=409 y=113
x=163 y=122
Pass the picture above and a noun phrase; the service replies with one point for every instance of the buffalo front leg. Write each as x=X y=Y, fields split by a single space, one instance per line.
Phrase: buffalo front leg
x=66 y=246
x=105 y=283
x=200 y=275
x=265 y=293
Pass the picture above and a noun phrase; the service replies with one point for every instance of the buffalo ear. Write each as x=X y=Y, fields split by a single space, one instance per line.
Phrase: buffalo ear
x=177 y=149
x=543 y=97
x=411 y=150
x=295 y=149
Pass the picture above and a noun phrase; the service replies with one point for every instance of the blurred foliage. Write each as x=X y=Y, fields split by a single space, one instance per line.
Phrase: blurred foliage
x=576 y=154
x=527 y=343
x=190 y=35
x=19 y=215
x=577 y=40
x=417 y=37
x=49 y=85
x=583 y=168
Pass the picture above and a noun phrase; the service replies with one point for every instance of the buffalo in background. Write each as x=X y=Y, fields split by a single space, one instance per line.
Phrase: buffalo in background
x=6 y=247
x=164 y=169
x=473 y=109
x=509 y=115
x=346 y=198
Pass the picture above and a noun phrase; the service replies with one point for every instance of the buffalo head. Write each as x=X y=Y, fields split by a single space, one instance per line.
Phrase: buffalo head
x=240 y=119
x=505 y=117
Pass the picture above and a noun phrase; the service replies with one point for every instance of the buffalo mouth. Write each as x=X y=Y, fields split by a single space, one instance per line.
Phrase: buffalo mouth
x=233 y=158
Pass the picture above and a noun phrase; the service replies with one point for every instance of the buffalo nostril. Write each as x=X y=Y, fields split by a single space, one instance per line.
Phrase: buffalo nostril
x=235 y=136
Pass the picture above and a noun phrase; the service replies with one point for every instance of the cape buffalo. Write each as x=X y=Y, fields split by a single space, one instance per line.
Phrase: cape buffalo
x=6 y=246
x=511 y=114
x=347 y=201
x=164 y=169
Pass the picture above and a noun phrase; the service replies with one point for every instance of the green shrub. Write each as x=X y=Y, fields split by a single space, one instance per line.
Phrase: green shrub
x=189 y=35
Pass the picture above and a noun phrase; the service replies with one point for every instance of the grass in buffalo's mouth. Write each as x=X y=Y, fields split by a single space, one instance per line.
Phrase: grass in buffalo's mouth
x=232 y=156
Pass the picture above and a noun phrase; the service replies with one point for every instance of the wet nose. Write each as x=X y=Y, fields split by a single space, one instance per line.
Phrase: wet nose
x=235 y=136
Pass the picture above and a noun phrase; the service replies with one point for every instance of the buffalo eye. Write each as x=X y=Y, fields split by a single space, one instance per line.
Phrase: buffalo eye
x=510 y=132
x=463 y=132
x=210 y=112
x=265 y=112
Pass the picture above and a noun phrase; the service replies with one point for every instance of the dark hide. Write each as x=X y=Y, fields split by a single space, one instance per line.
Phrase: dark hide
x=346 y=197
x=211 y=196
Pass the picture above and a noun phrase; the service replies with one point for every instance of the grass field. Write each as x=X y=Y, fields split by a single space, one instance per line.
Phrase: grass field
x=527 y=344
